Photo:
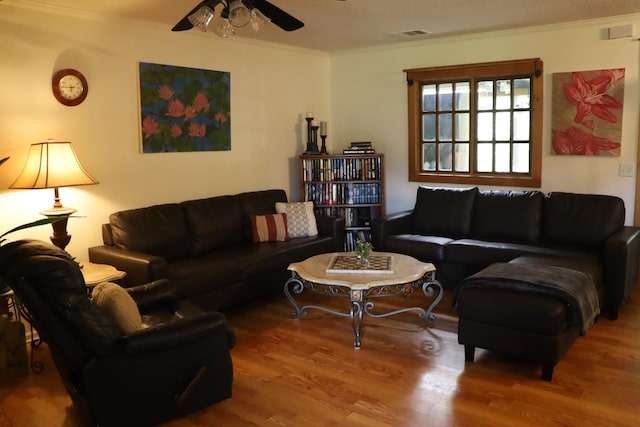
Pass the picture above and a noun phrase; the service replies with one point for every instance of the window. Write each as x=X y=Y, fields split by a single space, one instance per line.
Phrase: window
x=477 y=123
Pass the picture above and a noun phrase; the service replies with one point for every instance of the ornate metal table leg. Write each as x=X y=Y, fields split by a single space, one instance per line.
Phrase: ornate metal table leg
x=297 y=288
x=357 y=310
x=297 y=285
x=428 y=289
x=36 y=366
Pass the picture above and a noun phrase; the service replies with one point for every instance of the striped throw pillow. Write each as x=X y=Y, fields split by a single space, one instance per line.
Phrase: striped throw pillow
x=269 y=228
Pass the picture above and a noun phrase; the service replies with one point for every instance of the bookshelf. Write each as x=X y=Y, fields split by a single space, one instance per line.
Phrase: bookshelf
x=350 y=186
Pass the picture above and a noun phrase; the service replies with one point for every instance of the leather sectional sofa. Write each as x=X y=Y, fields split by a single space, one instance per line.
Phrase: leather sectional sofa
x=204 y=247
x=462 y=231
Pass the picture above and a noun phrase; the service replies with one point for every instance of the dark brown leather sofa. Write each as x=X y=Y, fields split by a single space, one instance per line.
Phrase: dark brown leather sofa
x=204 y=247
x=465 y=230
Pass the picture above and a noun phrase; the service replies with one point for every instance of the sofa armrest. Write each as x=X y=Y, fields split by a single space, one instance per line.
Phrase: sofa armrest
x=178 y=333
x=386 y=226
x=153 y=294
x=140 y=268
x=621 y=257
x=332 y=226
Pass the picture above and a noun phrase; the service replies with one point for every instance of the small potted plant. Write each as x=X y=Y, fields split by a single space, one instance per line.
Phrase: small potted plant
x=363 y=250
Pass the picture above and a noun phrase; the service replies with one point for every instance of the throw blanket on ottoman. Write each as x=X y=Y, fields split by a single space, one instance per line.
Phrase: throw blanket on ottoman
x=572 y=287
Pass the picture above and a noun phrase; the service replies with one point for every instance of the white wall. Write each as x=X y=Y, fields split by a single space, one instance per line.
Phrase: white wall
x=362 y=94
x=369 y=98
x=272 y=86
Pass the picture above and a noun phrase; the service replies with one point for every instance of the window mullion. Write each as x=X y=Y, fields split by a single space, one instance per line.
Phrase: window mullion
x=494 y=142
x=437 y=135
x=473 y=122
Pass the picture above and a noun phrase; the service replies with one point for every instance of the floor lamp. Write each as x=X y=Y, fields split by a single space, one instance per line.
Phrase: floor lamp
x=54 y=164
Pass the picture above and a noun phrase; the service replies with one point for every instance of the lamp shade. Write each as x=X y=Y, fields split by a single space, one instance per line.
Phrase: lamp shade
x=52 y=165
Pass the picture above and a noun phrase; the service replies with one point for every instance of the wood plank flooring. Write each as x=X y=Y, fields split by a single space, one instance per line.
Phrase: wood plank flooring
x=307 y=373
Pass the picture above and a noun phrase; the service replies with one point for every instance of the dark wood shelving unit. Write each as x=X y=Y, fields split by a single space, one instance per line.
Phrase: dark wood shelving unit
x=350 y=186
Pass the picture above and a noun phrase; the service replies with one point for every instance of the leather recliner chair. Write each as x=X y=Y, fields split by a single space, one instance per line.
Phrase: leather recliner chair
x=178 y=363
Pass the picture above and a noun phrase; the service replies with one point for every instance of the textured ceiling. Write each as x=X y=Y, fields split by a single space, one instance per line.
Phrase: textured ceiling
x=334 y=25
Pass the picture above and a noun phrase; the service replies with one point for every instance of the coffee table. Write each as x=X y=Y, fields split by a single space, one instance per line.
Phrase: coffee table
x=392 y=274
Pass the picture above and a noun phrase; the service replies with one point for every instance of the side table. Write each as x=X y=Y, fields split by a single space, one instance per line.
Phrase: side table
x=20 y=312
x=95 y=274
x=9 y=299
x=13 y=349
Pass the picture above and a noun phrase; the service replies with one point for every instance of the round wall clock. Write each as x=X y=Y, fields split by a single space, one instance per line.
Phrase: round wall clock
x=69 y=86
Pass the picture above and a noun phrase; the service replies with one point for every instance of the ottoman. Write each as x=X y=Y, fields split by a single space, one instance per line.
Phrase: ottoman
x=528 y=310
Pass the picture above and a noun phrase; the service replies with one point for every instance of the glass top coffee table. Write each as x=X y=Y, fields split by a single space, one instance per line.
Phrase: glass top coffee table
x=339 y=275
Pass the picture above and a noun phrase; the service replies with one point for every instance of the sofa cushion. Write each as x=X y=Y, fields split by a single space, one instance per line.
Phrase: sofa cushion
x=444 y=211
x=483 y=253
x=581 y=219
x=301 y=221
x=269 y=228
x=511 y=215
x=225 y=267
x=426 y=248
x=273 y=256
x=214 y=223
x=159 y=230
x=210 y=272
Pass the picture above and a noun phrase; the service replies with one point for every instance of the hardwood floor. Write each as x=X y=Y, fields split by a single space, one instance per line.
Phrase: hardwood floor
x=307 y=373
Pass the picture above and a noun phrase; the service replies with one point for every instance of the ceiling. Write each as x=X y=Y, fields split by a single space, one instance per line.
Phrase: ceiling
x=335 y=25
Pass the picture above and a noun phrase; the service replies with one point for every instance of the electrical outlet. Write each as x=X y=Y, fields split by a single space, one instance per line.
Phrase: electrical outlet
x=626 y=169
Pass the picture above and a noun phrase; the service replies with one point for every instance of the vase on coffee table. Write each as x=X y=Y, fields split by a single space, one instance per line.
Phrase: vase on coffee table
x=363 y=250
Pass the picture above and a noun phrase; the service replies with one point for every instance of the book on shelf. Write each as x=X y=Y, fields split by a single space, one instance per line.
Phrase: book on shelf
x=359 y=147
x=341 y=169
x=361 y=144
x=358 y=151
x=343 y=193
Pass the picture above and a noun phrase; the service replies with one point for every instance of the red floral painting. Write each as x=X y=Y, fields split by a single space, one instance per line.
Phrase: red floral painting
x=587 y=112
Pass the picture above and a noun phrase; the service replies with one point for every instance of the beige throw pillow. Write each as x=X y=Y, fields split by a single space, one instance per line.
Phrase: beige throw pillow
x=301 y=221
x=117 y=303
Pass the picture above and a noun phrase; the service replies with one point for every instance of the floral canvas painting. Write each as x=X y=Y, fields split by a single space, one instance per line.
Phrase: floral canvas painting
x=587 y=112
x=184 y=109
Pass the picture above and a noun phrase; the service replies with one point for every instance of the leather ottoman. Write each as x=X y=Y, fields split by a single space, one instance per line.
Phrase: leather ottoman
x=522 y=309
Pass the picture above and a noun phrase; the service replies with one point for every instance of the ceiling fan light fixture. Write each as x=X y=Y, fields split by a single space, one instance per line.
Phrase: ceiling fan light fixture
x=201 y=18
x=239 y=15
x=258 y=20
x=224 y=28
x=236 y=13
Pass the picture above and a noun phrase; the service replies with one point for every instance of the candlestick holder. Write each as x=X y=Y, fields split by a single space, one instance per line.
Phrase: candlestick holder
x=312 y=138
x=314 y=134
x=323 y=149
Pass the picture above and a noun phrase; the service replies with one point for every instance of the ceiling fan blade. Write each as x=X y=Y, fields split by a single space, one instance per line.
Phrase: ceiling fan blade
x=278 y=16
x=184 y=23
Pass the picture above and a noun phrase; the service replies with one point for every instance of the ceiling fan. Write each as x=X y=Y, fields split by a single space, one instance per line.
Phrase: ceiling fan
x=237 y=13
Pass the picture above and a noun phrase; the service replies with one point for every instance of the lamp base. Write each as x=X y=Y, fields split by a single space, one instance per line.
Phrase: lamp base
x=60 y=237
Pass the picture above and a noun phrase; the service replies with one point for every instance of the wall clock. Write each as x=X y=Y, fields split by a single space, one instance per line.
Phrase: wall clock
x=69 y=86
